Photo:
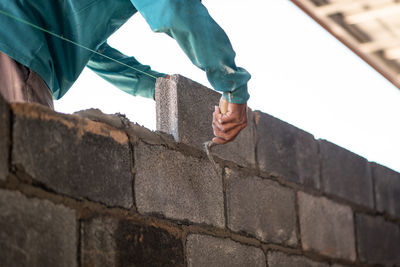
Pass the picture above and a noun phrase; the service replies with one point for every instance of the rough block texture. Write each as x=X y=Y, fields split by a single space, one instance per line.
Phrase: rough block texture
x=122 y=243
x=188 y=117
x=4 y=138
x=182 y=113
x=286 y=151
x=387 y=189
x=378 y=241
x=210 y=251
x=326 y=227
x=177 y=186
x=36 y=232
x=261 y=208
x=346 y=174
x=279 y=259
x=176 y=211
x=73 y=156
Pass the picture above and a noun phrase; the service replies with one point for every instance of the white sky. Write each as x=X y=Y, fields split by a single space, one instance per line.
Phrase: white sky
x=300 y=74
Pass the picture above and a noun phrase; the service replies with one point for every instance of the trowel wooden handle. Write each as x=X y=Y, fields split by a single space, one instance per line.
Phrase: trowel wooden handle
x=223 y=105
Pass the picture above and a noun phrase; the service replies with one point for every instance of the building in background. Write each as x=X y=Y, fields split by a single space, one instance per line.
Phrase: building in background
x=370 y=28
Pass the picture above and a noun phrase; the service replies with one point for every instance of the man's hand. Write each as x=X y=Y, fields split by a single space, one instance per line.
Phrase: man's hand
x=226 y=127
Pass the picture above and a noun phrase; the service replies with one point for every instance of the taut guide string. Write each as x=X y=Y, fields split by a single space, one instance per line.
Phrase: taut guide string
x=72 y=42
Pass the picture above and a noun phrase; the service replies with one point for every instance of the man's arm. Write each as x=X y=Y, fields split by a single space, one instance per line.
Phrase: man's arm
x=127 y=79
x=208 y=47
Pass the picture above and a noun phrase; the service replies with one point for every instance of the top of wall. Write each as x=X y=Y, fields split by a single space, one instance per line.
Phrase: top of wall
x=278 y=189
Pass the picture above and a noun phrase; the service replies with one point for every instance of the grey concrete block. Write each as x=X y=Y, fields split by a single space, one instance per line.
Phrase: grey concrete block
x=378 y=241
x=118 y=121
x=113 y=242
x=210 y=251
x=280 y=259
x=387 y=189
x=261 y=208
x=133 y=130
x=286 y=151
x=73 y=156
x=36 y=232
x=177 y=186
x=4 y=138
x=184 y=109
x=346 y=174
x=326 y=227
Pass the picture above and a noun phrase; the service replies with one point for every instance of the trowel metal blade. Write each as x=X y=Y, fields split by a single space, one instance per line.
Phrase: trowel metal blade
x=208 y=145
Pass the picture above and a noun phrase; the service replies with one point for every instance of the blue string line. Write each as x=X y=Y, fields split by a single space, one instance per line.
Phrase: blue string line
x=72 y=42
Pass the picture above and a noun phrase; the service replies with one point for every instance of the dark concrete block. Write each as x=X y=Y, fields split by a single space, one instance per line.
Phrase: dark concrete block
x=326 y=227
x=205 y=250
x=280 y=259
x=4 y=138
x=378 y=241
x=177 y=186
x=286 y=151
x=36 y=233
x=261 y=208
x=184 y=109
x=387 y=189
x=115 y=242
x=346 y=174
x=73 y=156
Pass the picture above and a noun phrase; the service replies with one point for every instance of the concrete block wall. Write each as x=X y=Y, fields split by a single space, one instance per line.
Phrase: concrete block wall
x=92 y=189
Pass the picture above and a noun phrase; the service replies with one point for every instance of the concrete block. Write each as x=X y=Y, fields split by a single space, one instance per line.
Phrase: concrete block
x=378 y=241
x=261 y=208
x=286 y=151
x=184 y=109
x=36 y=232
x=387 y=189
x=326 y=227
x=4 y=138
x=280 y=259
x=205 y=250
x=73 y=156
x=346 y=174
x=177 y=186
x=115 y=242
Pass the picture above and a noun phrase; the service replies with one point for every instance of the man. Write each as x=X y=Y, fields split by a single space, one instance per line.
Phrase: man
x=45 y=45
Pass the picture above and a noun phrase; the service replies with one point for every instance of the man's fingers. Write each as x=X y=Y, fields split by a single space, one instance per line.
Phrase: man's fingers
x=227 y=118
x=228 y=136
x=219 y=140
x=235 y=113
x=227 y=126
x=216 y=113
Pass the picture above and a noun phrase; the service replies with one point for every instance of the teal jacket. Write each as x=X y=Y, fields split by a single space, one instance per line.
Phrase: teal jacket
x=91 y=22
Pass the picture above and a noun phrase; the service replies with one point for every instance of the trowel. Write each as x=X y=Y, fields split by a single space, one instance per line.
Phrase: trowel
x=223 y=106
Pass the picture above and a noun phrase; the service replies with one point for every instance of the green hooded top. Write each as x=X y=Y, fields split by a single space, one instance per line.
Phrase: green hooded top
x=90 y=22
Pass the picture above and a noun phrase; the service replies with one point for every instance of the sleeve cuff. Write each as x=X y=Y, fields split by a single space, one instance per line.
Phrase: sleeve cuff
x=239 y=96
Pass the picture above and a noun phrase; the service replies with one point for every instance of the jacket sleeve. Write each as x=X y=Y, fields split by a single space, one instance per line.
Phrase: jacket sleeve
x=203 y=41
x=131 y=78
